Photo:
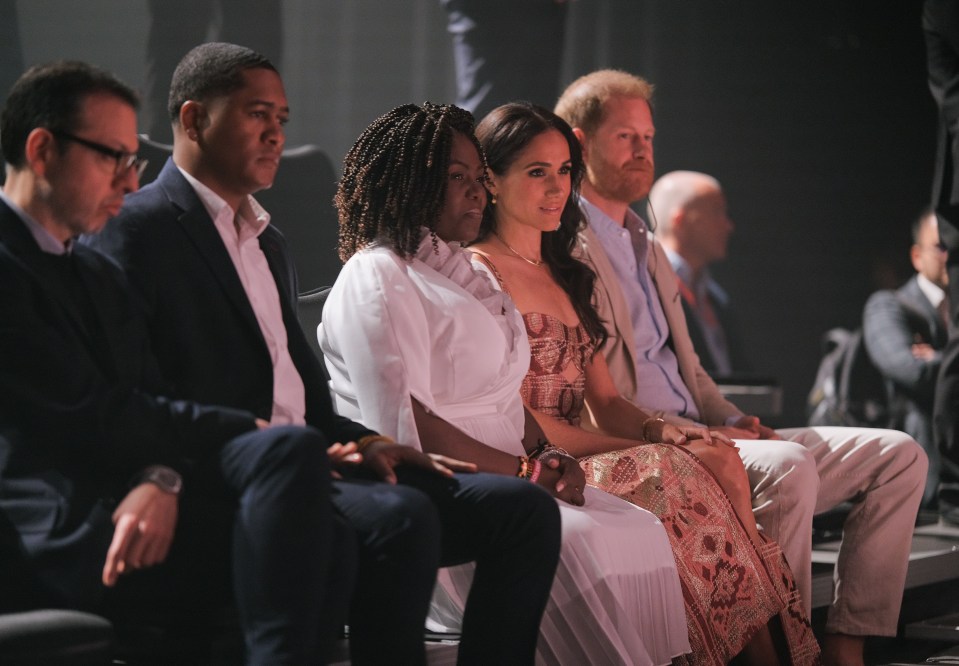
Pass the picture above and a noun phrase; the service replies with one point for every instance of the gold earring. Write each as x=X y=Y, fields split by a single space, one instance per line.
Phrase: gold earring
x=492 y=199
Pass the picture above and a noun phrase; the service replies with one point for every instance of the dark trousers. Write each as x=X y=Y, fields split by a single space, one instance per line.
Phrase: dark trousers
x=260 y=524
x=509 y=527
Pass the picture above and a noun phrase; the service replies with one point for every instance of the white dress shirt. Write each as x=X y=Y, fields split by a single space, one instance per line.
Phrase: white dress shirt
x=240 y=232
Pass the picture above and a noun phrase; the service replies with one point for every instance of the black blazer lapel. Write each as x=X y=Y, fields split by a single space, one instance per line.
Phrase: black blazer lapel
x=200 y=229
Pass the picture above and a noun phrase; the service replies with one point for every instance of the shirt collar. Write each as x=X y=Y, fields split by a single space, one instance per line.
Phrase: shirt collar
x=930 y=290
x=47 y=242
x=250 y=214
x=599 y=218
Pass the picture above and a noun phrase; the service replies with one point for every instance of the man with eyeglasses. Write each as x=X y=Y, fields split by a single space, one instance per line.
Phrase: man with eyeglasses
x=905 y=332
x=121 y=499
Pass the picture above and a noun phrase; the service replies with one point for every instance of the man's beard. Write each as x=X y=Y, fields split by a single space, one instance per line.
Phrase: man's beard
x=618 y=184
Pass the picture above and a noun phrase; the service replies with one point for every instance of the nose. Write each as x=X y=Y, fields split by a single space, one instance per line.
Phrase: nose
x=475 y=190
x=554 y=184
x=641 y=145
x=276 y=133
x=129 y=181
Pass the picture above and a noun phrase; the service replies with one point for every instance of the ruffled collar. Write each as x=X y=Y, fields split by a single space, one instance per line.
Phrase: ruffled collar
x=454 y=263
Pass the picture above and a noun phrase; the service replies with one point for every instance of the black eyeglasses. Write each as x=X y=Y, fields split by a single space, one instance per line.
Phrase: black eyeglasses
x=125 y=161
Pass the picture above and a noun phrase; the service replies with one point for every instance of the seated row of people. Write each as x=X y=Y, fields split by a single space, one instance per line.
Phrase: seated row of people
x=170 y=420
x=214 y=467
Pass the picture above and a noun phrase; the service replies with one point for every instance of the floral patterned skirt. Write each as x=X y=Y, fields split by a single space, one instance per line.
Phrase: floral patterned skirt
x=730 y=587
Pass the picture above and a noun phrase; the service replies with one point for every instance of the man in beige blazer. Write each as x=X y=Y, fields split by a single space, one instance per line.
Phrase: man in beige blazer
x=795 y=473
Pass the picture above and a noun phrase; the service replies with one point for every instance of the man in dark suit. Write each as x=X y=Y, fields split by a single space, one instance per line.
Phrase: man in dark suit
x=940 y=22
x=92 y=460
x=905 y=332
x=689 y=209
x=221 y=294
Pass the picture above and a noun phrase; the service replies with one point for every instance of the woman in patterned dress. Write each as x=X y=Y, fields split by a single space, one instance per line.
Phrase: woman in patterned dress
x=738 y=588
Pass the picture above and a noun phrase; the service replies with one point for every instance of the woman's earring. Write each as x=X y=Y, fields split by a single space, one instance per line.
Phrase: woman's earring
x=492 y=199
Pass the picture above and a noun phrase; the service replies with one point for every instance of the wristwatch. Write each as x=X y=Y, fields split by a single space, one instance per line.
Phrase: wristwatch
x=166 y=479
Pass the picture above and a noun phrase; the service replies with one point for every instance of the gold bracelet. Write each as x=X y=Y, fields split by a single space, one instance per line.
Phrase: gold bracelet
x=366 y=440
x=523 y=471
x=655 y=419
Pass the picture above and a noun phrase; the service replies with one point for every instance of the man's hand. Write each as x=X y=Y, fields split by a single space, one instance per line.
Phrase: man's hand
x=145 y=522
x=563 y=477
x=923 y=352
x=748 y=427
x=384 y=457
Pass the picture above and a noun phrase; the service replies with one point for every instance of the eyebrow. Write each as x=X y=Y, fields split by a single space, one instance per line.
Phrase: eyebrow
x=460 y=162
x=272 y=105
x=546 y=164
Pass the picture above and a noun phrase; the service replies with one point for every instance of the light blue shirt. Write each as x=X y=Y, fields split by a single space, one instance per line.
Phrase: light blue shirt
x=659 y=386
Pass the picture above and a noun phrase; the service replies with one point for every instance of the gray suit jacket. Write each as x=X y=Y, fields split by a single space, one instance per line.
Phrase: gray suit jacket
x=892 y=322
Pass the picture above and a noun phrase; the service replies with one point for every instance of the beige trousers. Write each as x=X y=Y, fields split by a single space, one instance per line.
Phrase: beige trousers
x=883 y=472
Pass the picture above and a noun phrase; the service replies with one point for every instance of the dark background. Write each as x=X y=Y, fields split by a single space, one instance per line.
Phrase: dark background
x=815 y=117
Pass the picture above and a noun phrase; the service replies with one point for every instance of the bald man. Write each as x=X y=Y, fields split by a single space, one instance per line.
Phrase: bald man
x=690 y=218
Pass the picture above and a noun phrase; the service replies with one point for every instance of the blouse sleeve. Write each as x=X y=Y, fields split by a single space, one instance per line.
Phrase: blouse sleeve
x=375 y=339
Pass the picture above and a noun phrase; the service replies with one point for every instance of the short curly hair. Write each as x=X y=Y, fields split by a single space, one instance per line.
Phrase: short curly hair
x=211 y=70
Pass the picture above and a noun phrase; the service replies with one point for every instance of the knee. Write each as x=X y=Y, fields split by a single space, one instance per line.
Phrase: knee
x=405 y=527
x=294 y=448
x=538 y=509
x=791 y=474
x=905 y=456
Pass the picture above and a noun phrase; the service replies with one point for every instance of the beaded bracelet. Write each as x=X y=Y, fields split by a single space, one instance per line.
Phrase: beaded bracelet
x=537 y=468
x=523 y=471
x=366 y=440
x=654 y=419
x=545 y=447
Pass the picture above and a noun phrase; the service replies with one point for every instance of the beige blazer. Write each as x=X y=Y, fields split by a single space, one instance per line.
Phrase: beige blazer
x=610 y=302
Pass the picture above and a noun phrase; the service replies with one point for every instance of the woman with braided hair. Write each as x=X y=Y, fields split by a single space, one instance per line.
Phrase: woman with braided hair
x=428 y=350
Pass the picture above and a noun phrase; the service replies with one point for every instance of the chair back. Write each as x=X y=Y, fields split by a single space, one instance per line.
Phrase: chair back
x=310 y=313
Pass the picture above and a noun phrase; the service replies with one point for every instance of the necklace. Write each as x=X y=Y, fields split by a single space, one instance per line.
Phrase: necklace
x=534 y=262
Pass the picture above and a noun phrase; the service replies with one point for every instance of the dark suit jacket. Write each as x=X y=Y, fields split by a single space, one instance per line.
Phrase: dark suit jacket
x=203 y=328
x=892 y=322
x=79 y=416
x=729 y=323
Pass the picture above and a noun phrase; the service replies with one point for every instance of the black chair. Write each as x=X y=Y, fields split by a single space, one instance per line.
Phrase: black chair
x=310 y=313
x=32 y=636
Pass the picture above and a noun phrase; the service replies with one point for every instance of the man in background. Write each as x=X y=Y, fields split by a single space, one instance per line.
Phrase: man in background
x=905 y=332
x=689 y=215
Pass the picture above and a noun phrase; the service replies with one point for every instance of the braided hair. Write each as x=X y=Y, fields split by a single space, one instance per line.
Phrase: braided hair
x=503 y=134
x=395 y=175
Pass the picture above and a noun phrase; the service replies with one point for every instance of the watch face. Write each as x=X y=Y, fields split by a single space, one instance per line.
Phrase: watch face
x=166 y=479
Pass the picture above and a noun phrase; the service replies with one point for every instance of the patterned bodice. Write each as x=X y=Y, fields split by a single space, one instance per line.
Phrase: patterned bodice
x=556 y=383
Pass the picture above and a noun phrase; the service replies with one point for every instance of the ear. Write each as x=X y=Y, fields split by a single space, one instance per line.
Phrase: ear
x=193 y=119
x=39 y=148
x=915 y=256
x=583 y=141
x=677 y=222
x=491 y=186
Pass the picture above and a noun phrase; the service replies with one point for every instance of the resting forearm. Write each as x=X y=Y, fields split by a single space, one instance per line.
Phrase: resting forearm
x=440 y=436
